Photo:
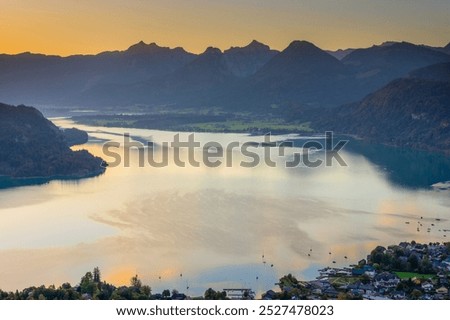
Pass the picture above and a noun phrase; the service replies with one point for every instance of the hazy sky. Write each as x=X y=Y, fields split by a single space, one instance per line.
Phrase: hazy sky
x=90 y=26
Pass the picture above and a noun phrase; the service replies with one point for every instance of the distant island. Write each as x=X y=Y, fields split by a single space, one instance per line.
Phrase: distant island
x=33 y=148
x=407 y=271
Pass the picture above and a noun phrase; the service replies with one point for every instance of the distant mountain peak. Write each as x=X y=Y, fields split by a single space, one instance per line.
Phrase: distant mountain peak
x=245 y=61
x=256 y=42
x=252 y=47
x=297 y=63
x=142 y=47
x=180 y=49
x=257 y=45
x=300 y=44
x=212 y=50
x=392 y=44
x=302 y=47
x=299 y=48
x=141 y=44
x=388 y=43
x=403 y=50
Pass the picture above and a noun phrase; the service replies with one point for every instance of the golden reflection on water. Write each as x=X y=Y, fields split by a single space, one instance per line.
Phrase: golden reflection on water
x=205 y=227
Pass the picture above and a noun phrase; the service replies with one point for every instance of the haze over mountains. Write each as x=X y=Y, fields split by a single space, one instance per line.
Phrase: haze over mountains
x=395 y=93
x=413 y=111
x=376 y=66
x=253 y=78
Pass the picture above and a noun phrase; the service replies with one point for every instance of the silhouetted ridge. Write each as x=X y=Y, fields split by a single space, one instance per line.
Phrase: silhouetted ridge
x=376 y=66
x=412 y=112
x=143 y=48
x=436 y=72
x=32 y=146
x=257 y=44
x=302 y=57
x=246 y=61
x=212 y=51
x=253 y=77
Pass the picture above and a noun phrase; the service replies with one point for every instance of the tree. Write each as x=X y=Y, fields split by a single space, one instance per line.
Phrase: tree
x=66 y=286
x=96 y=275
x=166 y=293
x=447 y=247
x=146 y=290
x=88 y=277
x=136 y=282
x=426 y=266
x=3 y=295
x=106 y=291
x=87 y=284
x=288 y=281
x=376 y=256
x=413 y=262
x=210 y=294
x=416 y=294
x=221 y=295
x=365 y=279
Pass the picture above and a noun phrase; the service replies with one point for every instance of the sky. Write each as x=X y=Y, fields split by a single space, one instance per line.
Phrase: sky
x=91 y=26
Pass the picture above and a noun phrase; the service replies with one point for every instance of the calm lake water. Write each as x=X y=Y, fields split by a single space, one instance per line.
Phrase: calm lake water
x=217 y=227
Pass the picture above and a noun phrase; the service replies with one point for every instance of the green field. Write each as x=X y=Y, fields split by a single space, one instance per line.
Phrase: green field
x=194 y=123
x=249 y=126
x=112 y=123
x=410 y=275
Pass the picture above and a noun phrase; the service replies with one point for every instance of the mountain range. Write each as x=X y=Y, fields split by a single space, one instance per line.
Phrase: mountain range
x=253 y=78
x=395 y=93
x=413 y=111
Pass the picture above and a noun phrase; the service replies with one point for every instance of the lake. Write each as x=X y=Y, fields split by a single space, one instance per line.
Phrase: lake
x=191 y=228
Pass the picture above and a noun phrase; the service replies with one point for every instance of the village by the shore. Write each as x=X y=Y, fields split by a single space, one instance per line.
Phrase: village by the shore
x=406 y=271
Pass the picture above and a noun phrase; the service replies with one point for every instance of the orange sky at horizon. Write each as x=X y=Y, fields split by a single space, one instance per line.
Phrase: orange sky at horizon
x=89 y=27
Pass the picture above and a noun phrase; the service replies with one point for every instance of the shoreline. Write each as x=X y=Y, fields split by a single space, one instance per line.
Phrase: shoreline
x=17 y=182
x=396 y=272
